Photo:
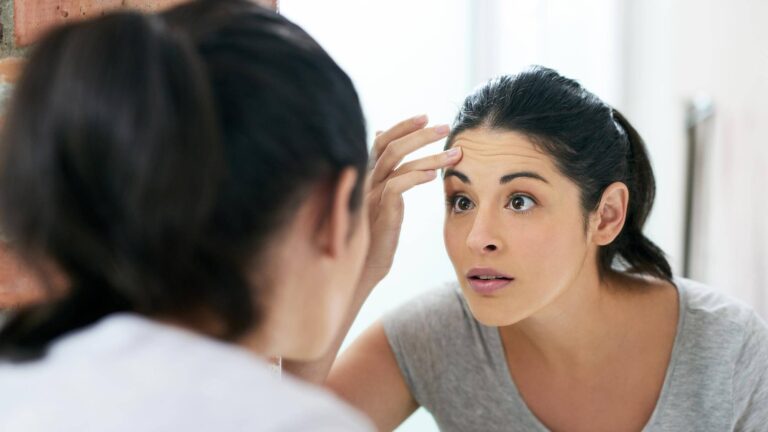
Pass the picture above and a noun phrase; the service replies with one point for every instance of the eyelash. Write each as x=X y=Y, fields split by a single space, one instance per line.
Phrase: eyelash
x=451 y=201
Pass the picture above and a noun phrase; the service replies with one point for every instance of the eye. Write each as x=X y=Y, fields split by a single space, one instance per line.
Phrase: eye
x=461 y=204
x=521 y=203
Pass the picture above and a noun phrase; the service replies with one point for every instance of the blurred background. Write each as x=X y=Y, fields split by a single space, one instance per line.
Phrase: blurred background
x=692 y=76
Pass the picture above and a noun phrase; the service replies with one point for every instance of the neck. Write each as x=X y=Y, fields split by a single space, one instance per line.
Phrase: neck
x=264 y=340
x=261 y=341
x=581 y=328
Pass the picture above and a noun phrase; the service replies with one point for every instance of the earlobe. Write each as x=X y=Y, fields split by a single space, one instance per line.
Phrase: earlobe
x=611 y=214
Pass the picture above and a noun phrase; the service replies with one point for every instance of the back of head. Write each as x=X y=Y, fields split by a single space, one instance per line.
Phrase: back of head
x=152 y=158
x=591 y=143
x=274 y=87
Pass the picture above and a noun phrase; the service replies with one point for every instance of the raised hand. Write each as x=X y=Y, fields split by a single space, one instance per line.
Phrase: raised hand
x=388 y=180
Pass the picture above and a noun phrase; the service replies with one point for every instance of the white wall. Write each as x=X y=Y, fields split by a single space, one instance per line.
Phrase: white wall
x=678 y=50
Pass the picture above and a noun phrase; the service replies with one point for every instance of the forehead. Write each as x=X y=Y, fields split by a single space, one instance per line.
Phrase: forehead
x=486 y=151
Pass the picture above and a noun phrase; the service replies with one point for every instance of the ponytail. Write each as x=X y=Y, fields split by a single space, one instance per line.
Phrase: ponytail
x=109 y=167
x=636 y=252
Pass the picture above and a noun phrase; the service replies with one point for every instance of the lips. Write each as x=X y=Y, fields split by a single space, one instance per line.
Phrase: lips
x=486 y=281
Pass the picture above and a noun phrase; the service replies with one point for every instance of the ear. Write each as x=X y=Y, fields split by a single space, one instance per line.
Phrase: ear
x=339 y=220
x=611 y=213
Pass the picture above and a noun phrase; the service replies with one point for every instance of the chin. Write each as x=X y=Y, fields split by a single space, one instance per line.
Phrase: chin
x=492 y=313
x=494 y=320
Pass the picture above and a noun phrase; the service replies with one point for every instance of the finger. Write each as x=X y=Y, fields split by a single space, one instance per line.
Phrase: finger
x=399 y=149
x=391 y=201
x=397 y=131
x=433 y=162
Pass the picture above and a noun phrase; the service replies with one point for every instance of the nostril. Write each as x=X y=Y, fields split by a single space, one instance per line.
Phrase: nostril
x=490 y=248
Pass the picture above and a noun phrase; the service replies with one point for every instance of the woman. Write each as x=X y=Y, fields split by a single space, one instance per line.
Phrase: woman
x=192 y=188
x=564 y=316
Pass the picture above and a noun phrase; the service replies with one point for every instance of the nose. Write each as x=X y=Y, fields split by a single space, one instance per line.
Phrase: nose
x=484 y=237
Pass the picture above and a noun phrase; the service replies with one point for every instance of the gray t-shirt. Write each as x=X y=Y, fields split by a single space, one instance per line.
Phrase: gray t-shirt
x=455 y=367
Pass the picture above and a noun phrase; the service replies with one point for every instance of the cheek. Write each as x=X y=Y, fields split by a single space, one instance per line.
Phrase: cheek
x=455 y=237
x=547 y=247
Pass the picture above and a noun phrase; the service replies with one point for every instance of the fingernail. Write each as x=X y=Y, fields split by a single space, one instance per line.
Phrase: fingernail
x=453 y=153
x=431 y=174
x=442 y=129
x=420 y=119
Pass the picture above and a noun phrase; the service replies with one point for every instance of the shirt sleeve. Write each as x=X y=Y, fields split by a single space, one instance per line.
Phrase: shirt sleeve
x=751 y=378
x=419 y=333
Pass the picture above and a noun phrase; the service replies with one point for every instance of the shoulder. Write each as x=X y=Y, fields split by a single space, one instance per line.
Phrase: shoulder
x=295 y=405
x=142 y=375
x=247 y=398
x=228 y=385
x=736 y=338
x=437 y=343
x=716 y=313
x=730 y=331
x=440 y=311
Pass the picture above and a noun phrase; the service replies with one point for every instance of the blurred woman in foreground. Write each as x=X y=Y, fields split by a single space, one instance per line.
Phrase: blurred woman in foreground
x=192 y=187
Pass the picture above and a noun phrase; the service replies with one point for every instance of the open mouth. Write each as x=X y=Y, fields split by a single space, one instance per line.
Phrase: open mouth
x=485 y=281
x=490 y=278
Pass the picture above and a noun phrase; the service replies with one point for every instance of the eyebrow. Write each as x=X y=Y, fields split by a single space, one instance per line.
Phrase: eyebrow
x=503 y=180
